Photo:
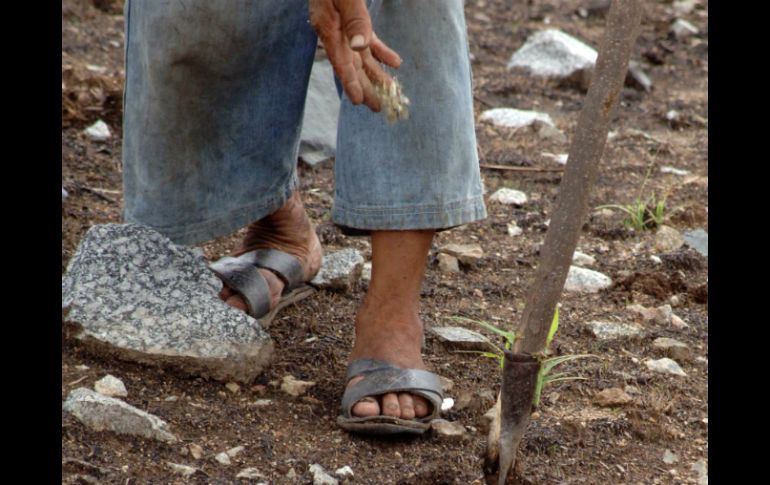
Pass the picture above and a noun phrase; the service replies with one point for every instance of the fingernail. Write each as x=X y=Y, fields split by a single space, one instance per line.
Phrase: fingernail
x=357 y=41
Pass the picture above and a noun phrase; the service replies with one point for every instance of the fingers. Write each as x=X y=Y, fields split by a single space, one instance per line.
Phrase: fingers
x=383 y=53
x=356 y=22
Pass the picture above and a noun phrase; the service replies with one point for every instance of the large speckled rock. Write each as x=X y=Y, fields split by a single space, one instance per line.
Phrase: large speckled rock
x=100 y=413
x=553 y=54
x=132 y=293
x=581 y=280
x=613 y=330
x=514 y=118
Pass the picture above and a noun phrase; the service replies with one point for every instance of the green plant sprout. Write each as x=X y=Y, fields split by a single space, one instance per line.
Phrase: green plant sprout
x=642 y=214
x=544 y=376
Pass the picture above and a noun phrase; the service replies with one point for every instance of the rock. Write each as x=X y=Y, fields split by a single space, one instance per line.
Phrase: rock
x=612 y=397
x=656 y=259
x=613 y=330
x=701 y=469
x=183 y=470
x=681 y=29
x=674 y=171
x=250 y=473
x=318 y=138
x=99 y=131
x=291 y=474
x=509 y=196
x=698 y=240
x=669 y=458
x=447 y=404
x=514 y=230
x=673 y=348
x=677 y=322
x=320 y=477
x=223 y=458
x=131 y=293
x=447 y=429
x=647 y=314
x=461 y=338
x=366 y=272
x=261 y=403
x=637 y=79
x=196 y=451
x=684 y=7
x=560 y=158
x=668 y=239
x=583 y=280
x=233 y=387
x=446 y=384
x=546 y=131
x=447 y=263
x=293 y=387
x=339 y=270
x=101 y=413
x=345 y=473
x=553 y=54
x=232 y=452
x=466 y=253
x=64 y=194
x=665 y=366
x=582 y=259
x=110 y=386
x=514 y=118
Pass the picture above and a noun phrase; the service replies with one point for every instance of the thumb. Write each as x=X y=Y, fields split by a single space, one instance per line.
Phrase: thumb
x=355 y=22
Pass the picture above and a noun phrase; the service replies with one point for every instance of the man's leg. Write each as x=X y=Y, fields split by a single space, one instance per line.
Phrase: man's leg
x=403 y=181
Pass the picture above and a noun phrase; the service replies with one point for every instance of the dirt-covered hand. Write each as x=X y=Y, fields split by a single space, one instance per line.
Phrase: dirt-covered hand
x=355 y=52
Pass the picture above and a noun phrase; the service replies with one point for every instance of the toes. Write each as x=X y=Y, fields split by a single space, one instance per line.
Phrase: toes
x=406 y=404
x=390 y=406
x=226 y=293
x=237 y=302
x=367 y=406
x=421 y=406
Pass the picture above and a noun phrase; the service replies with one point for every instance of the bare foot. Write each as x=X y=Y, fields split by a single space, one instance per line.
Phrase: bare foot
x=289 y=230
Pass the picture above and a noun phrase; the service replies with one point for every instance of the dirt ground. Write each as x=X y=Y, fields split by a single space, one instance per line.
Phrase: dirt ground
x=572 y=440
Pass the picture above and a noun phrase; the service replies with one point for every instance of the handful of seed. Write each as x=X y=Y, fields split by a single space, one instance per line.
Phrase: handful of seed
x=394 y=104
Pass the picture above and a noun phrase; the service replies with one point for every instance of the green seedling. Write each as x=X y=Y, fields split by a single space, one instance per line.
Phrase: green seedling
x=642 y=214
x=546 y=364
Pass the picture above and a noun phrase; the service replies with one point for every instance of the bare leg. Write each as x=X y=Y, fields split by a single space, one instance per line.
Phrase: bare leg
x=388 y=327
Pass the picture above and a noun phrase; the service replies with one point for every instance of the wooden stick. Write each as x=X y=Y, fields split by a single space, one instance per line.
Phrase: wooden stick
x=521 y=169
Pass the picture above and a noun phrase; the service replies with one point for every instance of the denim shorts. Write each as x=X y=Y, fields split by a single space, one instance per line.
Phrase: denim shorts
x=213 y=106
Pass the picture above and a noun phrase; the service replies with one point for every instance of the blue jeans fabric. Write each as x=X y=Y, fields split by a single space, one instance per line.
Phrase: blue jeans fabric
x=213 y=106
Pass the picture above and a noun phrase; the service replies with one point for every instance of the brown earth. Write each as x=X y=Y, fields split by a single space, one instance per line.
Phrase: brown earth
x=572 y=440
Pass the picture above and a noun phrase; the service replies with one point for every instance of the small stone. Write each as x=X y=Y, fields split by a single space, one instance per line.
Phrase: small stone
x=665 y=366
x=320 y=477
x=581 y=280
x=250 y=473
x=677 y=322
x=466 y=253
x=681 y=29
x=233 y=387
x=673 y=348
x=232 y=452
x=291 y=474
x=701 y=469
x=546 y=131
x=196 y=451
x=223 y=458
x=81 y=367
x=461 y=338
x=514 y=118
x=345 y=473
x=514 y=230
x=674 y=300
x=612 y=397
x=447 y=404
x=447 y=429
x=366 y=271
x=684 y=7
x=638 y=79
x=172 y=399
x=110 y=385
x=509 y=197
x=698 y=240
x=183 y=470
x=448 y=263
x=674 y=171
x=582 y=259
x=656 y=259
x=613 y=330
x=668 y=239
x=260 y=403
x=294 y=387
x=99 y=131
x=446 y=384
x=663 y=315
x=64 y=194
x=669 y=458
x=560 y=158
x=100 y=412
x=631 y=390
x=339 y=270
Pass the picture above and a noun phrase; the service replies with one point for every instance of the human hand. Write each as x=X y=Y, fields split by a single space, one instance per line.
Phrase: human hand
x=355 y=52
